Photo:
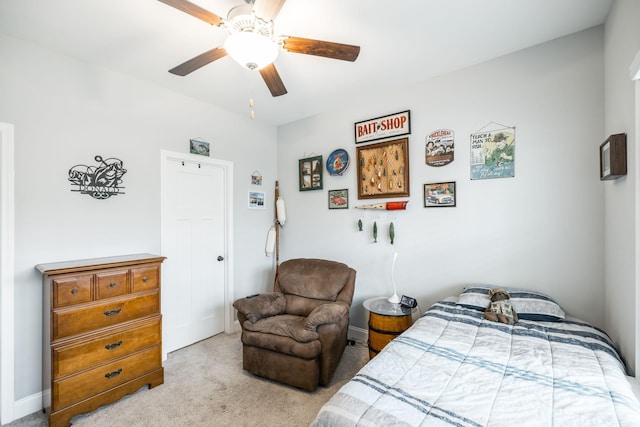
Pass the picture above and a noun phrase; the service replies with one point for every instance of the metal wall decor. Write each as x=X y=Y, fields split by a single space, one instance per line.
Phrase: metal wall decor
x=100 y=182
x=383 y=127
x=439 y=148
x=337 y=162
x=493 y=153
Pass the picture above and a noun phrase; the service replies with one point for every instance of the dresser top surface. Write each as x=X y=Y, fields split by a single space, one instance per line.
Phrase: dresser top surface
x=97 y=263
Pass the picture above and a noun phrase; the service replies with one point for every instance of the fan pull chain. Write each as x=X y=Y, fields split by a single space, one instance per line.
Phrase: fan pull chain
x=251 y=113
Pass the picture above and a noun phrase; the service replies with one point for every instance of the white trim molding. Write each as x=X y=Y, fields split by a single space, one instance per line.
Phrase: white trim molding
x=635 y=75
x=165 y=155
x=634 y=69
x=7 y=259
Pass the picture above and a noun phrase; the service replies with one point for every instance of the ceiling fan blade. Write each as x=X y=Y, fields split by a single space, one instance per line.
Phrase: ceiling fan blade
x=345 y=52
x=267 y=9
x=272 y=79
x=195 y=10
x=199 y=61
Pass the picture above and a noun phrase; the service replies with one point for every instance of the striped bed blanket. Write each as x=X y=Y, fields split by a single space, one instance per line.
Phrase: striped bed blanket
x=453 y=367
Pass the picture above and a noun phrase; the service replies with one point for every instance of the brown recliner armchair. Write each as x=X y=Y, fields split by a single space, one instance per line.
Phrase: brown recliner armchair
x=297 y=334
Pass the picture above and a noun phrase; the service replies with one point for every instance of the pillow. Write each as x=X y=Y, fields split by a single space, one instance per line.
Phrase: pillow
x=530 y=305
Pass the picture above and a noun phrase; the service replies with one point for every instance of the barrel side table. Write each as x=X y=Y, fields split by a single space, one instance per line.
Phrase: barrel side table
x=386 y=321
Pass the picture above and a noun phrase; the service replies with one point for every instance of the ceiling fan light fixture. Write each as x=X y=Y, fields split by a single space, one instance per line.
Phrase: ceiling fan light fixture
x=251 y=50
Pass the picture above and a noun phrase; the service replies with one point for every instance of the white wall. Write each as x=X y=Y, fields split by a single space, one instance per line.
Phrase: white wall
x=66 y=112
x=622 y=42
x=541 y=229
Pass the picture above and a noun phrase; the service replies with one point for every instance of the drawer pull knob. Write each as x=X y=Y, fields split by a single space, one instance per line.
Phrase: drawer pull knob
x=74 y=291
x=145 y=279
x=114 y=345
x=113 y=284
x=113 y=312
x=113 y=374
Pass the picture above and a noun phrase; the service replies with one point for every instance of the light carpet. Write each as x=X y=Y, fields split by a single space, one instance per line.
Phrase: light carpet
x=205 y=385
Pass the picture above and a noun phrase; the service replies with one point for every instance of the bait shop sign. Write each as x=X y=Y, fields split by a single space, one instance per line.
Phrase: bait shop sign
x=383 y=127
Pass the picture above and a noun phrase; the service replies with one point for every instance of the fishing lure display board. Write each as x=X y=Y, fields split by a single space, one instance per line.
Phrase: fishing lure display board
x=383 y=169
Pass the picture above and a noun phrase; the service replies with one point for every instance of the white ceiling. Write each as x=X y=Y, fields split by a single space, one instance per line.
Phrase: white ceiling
x=402 y=42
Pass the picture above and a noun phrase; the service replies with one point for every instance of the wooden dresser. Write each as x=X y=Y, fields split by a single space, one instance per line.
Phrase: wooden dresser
x=102 y=332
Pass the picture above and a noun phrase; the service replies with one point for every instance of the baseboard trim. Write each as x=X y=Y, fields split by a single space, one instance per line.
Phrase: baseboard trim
x=30 y=404
x=236 y=326
x=358 y=334
x=27 y=405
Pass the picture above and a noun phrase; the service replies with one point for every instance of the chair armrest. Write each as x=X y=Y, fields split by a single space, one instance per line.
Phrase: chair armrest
x=260 y=306
x=326 y=313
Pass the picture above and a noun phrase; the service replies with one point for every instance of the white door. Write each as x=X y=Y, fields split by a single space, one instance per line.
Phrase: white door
x=194 y=242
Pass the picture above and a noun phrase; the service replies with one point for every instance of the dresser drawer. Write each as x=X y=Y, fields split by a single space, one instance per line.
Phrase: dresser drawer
x=112 y=284
x=89 y=383
x=71 y=290
x=145 y=278
x=78 y=320
x=101 y=348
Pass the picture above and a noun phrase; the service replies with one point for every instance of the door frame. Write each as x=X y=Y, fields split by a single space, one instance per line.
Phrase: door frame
x=227 y=168
x=7 y=285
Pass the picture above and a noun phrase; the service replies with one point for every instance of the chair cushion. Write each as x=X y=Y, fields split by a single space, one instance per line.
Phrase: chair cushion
x=284 y=325
x=284 y=345
x=313 y=278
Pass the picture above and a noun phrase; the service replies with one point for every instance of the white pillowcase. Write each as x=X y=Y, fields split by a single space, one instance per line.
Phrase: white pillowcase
x=529 y=305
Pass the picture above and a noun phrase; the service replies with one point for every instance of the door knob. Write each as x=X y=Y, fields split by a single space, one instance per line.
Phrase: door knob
x=220 y=258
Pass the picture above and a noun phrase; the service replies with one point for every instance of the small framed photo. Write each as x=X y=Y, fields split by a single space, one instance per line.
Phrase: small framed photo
x=256 y=178
x=339 y=199
x=310 y=172
x=440 y=195
x=198 y=147
x=256 y=200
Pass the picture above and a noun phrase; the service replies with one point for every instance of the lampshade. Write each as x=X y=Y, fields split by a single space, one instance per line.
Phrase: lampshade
x=251 y=50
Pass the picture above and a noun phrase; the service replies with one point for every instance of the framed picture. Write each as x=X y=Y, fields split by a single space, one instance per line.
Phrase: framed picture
x=383 y=169
x=440 y=195
x=339 y=199
x=198 y=147
x=310 y=172
x=613 y=157
x=256 y=200
x=256 y=178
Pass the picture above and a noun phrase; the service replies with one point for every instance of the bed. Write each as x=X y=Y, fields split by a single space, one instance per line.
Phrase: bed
x=453 y=367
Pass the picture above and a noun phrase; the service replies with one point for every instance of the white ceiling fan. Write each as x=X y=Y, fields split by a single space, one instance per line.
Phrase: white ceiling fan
x=252 y=43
